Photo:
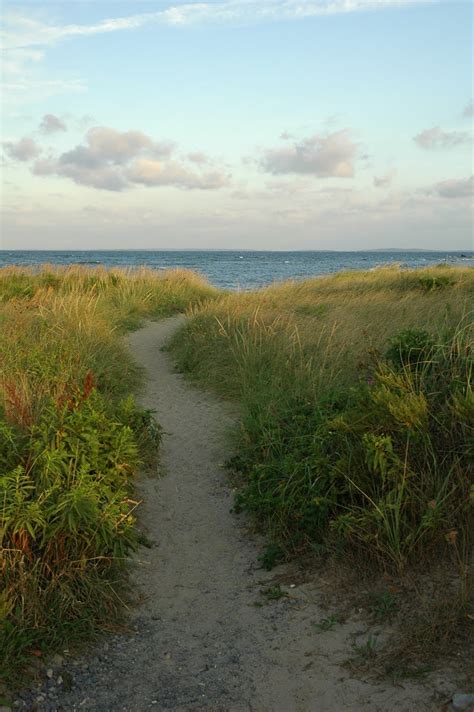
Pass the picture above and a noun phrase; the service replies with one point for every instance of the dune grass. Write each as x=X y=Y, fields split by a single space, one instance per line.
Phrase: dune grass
x=71 y=442
x=356 y=439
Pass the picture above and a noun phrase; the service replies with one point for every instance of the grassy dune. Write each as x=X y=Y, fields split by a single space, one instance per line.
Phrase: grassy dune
x=356 y=439
x=71 y=441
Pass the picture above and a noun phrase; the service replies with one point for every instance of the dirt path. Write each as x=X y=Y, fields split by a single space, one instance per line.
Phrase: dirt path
x=204 y=636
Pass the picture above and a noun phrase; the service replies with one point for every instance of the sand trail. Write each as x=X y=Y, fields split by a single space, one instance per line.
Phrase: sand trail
x=204 y=637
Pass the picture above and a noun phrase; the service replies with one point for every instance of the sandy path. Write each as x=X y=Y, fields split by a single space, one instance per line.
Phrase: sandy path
x=201 y=639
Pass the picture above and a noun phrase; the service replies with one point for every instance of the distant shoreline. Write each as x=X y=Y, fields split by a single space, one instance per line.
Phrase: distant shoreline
x=246 y=250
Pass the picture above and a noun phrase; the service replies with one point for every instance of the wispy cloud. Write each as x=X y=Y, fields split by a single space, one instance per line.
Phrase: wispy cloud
x=434 y=138
x=25 y=38
x=24 y=31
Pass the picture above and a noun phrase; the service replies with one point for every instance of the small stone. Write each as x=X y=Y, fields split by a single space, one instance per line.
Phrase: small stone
x=60 y=680
x=49 y=673
x=462 y=701
x=58 y=659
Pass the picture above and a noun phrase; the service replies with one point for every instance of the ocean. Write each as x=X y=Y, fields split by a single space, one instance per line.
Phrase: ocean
x=233 y=269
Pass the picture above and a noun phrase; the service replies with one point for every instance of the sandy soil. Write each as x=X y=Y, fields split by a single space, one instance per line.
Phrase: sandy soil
x=204 y=636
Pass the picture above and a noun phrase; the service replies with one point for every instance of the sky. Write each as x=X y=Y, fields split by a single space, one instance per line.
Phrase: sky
x=238 y=124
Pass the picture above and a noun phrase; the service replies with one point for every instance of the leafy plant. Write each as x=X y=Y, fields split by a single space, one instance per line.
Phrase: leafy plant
x=327 y=624
x=272 y=555
x=411 y=347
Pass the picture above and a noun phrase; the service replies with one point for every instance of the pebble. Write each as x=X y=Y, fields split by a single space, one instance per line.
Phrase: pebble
x=462 y=701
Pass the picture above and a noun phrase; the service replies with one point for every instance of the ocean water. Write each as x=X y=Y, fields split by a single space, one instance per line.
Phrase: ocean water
x=231 y=269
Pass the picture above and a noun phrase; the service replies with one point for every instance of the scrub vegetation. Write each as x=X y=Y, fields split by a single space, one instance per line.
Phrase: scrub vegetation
x=356 y=439
x=71 y=441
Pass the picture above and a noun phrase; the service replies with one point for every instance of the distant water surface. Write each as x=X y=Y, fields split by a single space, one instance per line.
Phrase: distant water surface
x=238 y=270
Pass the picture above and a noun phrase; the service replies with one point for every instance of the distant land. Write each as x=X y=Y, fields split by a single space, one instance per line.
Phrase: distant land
x=404 y=249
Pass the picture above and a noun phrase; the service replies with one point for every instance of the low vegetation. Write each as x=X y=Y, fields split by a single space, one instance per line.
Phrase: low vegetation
x=355 y=443
x=71 y=441
x=356 y=440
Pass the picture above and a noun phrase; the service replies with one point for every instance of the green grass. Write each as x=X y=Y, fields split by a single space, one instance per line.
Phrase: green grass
x=355 y=442
x=356 y=438
x=71 y=442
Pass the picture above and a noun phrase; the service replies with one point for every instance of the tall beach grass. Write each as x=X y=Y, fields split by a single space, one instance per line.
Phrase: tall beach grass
x=357 y=433
x=71 y=442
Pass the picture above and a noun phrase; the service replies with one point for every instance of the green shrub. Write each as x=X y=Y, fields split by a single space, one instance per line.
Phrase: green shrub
x=431 y=282
x=66 y=488
x=411 y=347
x=340 y=449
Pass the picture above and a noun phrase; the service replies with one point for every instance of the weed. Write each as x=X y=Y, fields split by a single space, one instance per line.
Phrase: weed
x=384 y=605
x=365 y=651
x=273 y=593
x=273 y=555
x=411 y=347
x=327 y=624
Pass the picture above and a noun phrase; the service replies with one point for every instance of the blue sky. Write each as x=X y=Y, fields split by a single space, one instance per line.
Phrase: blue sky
x=275 y=124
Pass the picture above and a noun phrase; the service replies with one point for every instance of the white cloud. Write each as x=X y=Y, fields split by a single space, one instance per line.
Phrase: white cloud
x=23 y=31
x=23 y=150
x=435 y=138
x=319 y=155
x=153 y=173
x=114 y=160
x=106 y=144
